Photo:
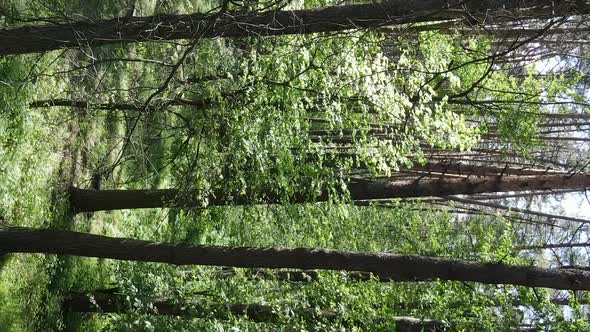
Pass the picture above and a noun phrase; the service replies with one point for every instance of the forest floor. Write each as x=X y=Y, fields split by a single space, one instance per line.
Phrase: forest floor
x=52 y=154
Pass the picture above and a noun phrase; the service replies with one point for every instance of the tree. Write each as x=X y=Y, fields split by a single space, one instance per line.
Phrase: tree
x=555 y=246
x=203 y=103
x=304 y=275
x=109 y=302
x=88 y=200
x=408 y=267
x=41 y=38
x=100 y=302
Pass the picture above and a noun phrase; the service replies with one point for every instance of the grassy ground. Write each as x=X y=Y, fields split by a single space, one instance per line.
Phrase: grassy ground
x=54 y=149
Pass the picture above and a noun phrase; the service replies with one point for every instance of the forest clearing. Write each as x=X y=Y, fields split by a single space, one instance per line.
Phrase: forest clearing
x=288 y=165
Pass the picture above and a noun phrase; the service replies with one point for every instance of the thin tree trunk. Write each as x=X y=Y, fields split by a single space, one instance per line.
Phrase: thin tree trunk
x=564 y=124
x=566 y=116
x=520 y=195
x=499 y=32
x=549 y=216
x=201 y=103
x=88 y=200
x=440 y=206
x=98 y=302
x=579 y=267
x=28 y=240
x=30 y=39
x=555 y=246
x=494 y=136
x=102 y=302
x=308 y=275
x=567 y=301
x=479 y=170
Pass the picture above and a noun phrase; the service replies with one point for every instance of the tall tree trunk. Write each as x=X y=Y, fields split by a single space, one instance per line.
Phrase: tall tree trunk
x=555 y=246
x=307 y=275
x=88 y=200
x=496 y=206
x=104 y=302
x=567 y=116
x=116 y=303
x=459 y=168
x=201 y=103
x=41 y=38
x=28 y=240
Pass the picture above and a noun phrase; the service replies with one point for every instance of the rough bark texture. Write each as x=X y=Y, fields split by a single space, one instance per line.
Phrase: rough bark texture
x=88 y=200
x=40 y=38
x=115 y=303
x=28 y=240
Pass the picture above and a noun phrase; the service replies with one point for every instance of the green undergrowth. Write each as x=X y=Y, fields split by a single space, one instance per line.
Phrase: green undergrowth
x=36 y=160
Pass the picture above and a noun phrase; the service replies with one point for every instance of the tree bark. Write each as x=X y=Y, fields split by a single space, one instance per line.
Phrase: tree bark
x=98 y=302
x=89 y=200
x=309 y=275
x=28 y=240
x=101 y=302
x=39 y=38
x=201 y=103
x=555 y=246
x=479 y=170
x=567 y=116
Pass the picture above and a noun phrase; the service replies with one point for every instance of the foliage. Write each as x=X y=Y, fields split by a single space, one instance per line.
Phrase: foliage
x=280 y=118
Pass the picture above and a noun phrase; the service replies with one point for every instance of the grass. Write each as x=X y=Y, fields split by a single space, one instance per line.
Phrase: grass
x=54 y=149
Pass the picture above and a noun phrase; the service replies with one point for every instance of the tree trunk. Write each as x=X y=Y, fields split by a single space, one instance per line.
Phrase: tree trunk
x=567 y=116
x=459 y=168
x=496 y=206
x=201 y=103
x=28 y=240
x=116 y=303
x=567 y=301
x=308 y=275
x=555 y=246
x=39 y=38
x=89 y=200
x=102 y=302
